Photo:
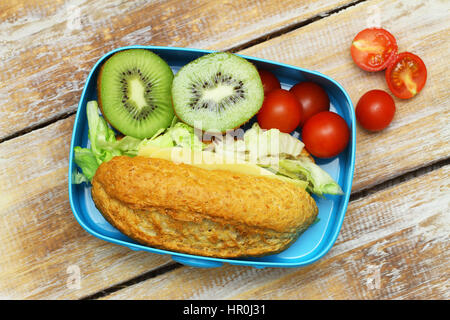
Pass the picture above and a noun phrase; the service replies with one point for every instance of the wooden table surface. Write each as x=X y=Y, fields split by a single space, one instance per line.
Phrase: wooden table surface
x=394 y=243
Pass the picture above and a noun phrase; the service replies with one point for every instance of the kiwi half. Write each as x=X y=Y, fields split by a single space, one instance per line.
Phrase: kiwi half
x=134 y=92
x=217 y=92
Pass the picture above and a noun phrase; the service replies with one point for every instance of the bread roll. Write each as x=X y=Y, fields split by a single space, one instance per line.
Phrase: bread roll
x=179 y=207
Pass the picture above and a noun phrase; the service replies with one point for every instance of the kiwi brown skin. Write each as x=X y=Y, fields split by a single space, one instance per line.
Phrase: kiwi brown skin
x=99 y=98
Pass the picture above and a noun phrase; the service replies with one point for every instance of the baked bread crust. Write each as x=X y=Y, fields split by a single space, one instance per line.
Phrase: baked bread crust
x=187 y=209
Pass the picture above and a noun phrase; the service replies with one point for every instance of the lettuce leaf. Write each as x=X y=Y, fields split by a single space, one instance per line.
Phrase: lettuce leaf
x=262 y=144
x=263 y=147
x=125 y=146
x=177 y=135
x=320 y=182
x=184 y=136
x=88 y=163
x=103 y=145
x=279 y=153
x=78 y=178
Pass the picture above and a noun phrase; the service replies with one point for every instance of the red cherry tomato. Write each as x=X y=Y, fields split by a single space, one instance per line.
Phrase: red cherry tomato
x=269 y=81
x=312 y=97
x=375 y=110
x=406 y=76
x=373 y=49
x=280 y=110
x=325 y=134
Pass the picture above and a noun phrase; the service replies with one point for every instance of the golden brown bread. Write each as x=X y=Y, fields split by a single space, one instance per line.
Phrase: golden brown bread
x=187 y=209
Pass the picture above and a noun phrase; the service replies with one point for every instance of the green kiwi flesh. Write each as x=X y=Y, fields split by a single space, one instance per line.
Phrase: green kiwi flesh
x=134 y=92
x=217 y=92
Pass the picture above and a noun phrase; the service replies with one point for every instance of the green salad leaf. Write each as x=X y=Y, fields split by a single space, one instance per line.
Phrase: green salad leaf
x=87 y=161
x=261 y=144
x=279 y=153
x=103 y=145
x=320 y=182
x=177 y=135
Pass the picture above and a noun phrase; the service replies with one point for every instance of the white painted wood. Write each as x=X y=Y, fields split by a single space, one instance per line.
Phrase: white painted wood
x=403 y=229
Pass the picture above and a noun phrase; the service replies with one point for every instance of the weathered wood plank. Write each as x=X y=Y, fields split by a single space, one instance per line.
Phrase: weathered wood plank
x=41 y=244
x=48 y=47
x=34 y=167
x=420 y=131
x=46 y=51
x=394 y=244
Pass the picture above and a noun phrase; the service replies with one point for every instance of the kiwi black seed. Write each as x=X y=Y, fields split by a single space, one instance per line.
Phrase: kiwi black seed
x=134 y=92
x=217 y=92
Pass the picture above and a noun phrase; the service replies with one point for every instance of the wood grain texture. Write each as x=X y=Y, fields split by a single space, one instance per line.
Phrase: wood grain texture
x=47 y=48
x=41 y=243
x=46 y=51
x=394 y=244
x=420 y=131
x=403 y=229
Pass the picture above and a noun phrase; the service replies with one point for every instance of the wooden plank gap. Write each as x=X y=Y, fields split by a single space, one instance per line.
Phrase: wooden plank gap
x=292 y=27
x=143 y=277
x=418 y=172
x=39 y=125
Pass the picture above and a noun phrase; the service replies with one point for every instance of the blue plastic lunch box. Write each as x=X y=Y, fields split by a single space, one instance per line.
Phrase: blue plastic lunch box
x=313 y=244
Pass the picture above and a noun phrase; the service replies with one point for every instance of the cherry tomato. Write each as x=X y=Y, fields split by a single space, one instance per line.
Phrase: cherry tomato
x=375 y=110
x=325 y=134
x=280 y=110
x=269 y=81
x=373 y=49
x=312 y=97
x=406 y=76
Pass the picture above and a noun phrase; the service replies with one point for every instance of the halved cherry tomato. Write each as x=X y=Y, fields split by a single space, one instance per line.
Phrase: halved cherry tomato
x=373 y=49
x=325 y=134
x=312 y=97
x=280 y=110
x=269 y=81
x=406 y=76
x=375 y=110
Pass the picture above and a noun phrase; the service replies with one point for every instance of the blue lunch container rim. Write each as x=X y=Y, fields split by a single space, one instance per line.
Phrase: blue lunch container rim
x=207 y=262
